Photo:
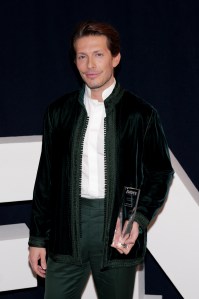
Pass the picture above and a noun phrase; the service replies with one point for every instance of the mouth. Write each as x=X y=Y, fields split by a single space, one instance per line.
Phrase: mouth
x=91 y=75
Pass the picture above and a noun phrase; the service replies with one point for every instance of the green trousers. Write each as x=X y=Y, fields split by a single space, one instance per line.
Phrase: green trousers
x=66 y=281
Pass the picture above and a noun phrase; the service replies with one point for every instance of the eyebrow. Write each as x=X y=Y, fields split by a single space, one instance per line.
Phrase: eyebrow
x=96 y=51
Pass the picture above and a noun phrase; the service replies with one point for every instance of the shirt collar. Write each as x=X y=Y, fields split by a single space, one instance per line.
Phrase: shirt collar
x=105 y=93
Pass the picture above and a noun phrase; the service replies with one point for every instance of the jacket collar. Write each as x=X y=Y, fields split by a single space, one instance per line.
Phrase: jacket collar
x=110 y=101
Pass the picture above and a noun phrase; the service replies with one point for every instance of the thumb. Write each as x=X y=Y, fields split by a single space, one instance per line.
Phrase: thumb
x=43 y=262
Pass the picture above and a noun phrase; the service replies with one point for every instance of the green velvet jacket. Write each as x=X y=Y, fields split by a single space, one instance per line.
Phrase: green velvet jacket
x=136 y=155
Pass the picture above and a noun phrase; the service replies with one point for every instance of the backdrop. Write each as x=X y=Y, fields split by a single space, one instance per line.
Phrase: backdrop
x=160 y=63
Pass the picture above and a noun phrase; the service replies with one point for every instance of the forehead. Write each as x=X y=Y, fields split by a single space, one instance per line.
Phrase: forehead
x=91 y=43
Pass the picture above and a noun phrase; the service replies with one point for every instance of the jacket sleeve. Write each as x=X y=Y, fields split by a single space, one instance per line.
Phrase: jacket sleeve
x=40 y=217
x=157 y=172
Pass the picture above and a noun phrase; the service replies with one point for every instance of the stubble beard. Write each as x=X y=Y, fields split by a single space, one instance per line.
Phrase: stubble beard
x=100 y=84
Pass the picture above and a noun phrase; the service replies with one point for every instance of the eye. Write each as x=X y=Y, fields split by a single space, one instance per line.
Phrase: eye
x=81 y=57
x=99 y=54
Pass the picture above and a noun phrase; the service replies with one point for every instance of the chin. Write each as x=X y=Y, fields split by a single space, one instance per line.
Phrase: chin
x=93 y=86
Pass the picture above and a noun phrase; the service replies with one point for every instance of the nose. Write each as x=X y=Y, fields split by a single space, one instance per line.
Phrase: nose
x=91 y=62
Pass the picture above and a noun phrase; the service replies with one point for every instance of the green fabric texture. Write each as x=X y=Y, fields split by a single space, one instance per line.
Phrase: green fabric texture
x=136 y=155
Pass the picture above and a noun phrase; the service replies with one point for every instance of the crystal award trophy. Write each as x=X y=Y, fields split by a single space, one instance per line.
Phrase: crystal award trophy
x=128 y=208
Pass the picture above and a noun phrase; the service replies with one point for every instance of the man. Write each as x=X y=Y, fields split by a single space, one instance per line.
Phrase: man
x=97 y=143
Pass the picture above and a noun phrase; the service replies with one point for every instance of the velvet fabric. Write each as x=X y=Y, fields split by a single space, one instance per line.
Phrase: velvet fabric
x=136 y=155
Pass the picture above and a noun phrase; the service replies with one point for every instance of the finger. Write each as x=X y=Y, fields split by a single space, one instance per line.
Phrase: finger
x=127 y=249
x=124 y=247
x=37 y=269
x=119 y=248
x=41 y=272
x=133 y=235
x=132 y=238
x=34 y=264
x=131 y=241
x=43 y=262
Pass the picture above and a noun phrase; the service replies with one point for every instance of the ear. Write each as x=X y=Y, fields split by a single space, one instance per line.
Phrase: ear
x=116 y=59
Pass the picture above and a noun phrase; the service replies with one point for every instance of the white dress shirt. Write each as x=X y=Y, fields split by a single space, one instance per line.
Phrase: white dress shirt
x=93 y=177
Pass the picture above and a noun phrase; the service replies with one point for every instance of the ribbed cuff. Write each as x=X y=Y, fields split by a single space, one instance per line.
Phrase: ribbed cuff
x=37 y=242
x=142 y=220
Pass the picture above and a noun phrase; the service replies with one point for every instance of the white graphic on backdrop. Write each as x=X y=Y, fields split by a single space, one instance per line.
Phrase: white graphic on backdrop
x=172 y=239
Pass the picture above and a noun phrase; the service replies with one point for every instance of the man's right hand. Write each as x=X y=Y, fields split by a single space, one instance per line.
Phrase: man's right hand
x=37 y=260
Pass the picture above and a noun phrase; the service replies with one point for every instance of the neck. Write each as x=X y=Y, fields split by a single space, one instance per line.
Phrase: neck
x=97 y=93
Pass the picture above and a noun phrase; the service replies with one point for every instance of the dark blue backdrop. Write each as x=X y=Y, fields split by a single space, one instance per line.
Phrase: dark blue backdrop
x=160 y=62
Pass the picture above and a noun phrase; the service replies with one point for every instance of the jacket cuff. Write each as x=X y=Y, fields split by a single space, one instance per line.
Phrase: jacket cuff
x=141 y=220
x=37 y=242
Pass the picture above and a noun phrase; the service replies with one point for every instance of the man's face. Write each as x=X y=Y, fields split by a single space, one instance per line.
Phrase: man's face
x=95 y=62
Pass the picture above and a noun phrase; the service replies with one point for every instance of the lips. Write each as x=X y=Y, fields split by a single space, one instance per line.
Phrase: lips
x=91 y=75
